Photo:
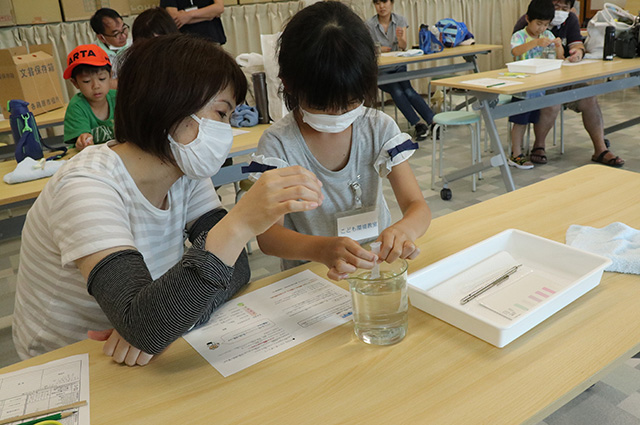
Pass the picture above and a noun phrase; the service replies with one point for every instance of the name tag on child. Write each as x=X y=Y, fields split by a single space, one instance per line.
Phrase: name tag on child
x=358 y=225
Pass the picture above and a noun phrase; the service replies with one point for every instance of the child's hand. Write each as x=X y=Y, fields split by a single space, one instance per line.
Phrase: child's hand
x=396 y=244
x=400 y=32
x=544 y=42
x=84 y=140
x=344 y=255
x=119 y=349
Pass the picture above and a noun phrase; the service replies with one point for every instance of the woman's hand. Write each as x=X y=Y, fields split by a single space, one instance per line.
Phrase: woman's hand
x=396 y=244
x=343 y=256
x=277 y=193
x=119 y=349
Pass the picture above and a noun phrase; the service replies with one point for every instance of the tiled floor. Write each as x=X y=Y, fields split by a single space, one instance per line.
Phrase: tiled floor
x=615 y=399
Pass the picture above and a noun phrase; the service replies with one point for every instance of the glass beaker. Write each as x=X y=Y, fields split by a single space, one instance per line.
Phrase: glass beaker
x=380 y=304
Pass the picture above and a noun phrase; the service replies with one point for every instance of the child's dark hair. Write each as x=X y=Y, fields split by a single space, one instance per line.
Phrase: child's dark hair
x=542 y=10
x=327 y=58
x=164 y=80
x=381 y=1
x=89 y=69
x=153 y=22
x=96 y=21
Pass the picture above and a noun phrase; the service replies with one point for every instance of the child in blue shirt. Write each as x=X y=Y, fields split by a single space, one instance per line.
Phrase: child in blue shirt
x=530 y=43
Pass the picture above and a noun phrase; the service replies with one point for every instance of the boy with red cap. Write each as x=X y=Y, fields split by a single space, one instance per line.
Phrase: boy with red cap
x=89 y=116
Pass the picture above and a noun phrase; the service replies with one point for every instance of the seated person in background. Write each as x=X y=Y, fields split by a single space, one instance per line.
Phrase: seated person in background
x=152 y=23
x=566 y=26
x=89 y=116
x=113 y=37
x=528 y=43
x=390 y=31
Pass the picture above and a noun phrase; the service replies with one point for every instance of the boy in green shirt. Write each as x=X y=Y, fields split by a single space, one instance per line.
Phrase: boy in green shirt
x=89 y=116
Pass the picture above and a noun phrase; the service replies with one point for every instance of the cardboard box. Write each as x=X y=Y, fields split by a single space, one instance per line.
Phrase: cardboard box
x=80 y=10
x=29 y=12
x=30 y=76
x=6 y=14
x=138 y=6
x=230 y=2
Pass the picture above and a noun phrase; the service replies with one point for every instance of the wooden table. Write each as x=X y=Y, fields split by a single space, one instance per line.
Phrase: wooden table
x=598 y=79
x=437 y=374
x=468 y=53
x=48 y=119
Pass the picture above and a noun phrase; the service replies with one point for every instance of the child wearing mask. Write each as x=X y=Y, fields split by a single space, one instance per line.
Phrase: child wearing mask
x=348 y=146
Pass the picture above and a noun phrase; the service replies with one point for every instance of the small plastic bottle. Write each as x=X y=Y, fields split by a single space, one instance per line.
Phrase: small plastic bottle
x=549 y=52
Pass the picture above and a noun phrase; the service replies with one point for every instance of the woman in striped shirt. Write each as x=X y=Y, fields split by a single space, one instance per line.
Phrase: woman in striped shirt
x=103 y=245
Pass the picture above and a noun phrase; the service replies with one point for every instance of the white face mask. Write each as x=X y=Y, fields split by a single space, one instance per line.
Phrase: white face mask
x=559 y=18
x=203 y=157
x=332 y=123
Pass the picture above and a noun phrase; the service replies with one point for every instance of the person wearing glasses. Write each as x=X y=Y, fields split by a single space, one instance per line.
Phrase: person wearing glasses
x=198 y=17
x=113 y=37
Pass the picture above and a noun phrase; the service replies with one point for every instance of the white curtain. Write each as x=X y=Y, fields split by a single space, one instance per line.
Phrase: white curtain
x=491 y=22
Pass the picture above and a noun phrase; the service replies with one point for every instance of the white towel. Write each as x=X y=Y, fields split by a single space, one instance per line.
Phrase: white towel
x=411 y=52
x=617 y=241
x=249 y=59
x=30 y=169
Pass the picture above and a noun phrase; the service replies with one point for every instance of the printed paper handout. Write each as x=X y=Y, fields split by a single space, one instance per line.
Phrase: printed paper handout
x=268 y=321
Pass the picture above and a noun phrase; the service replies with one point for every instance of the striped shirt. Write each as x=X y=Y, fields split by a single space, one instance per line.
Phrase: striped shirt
x=89 y=205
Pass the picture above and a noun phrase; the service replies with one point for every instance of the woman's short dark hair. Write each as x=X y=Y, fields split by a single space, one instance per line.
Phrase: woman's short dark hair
x=541 y=9
x=327 y=58
x=165 y=79
x=153 y=22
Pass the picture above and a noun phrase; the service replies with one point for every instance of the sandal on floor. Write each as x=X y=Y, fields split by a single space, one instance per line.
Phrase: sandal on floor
x=538 y=158
x=611 y=162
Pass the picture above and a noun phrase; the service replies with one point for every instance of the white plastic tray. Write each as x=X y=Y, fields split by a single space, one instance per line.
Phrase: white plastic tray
x=570 y=272
x=534 y=66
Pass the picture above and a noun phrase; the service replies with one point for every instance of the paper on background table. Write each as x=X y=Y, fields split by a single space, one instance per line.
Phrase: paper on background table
x=47 y=386
x=268 y=321
x=486 y=82
x=237 y=131
x=582 y=62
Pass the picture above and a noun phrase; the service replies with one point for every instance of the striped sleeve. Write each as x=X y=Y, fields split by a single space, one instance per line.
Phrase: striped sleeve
x=88 y=216
x=150 y=315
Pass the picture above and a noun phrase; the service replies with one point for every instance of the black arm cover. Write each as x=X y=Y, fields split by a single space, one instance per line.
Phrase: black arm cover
x=150 y=314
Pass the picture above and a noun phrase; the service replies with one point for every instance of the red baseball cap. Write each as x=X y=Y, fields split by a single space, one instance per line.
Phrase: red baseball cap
x=85 y=54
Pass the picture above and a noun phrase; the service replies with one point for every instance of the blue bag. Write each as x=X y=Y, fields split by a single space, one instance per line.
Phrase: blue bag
x=452 y=32
x=25 y=132
x=429 y=43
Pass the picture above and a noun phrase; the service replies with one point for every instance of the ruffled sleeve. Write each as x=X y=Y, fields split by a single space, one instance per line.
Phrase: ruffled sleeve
x=260 y=163
x=396 y=150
